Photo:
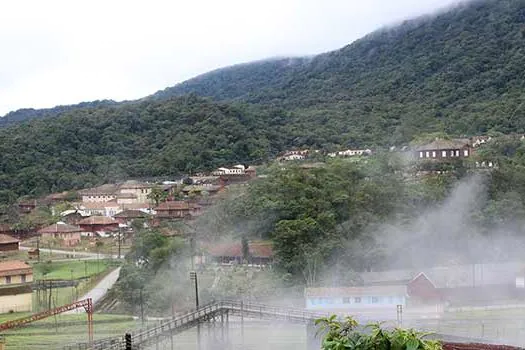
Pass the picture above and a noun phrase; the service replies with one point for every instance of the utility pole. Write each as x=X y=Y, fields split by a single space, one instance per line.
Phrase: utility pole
x=141 y=307
x=72 y=293
x=193 y=277
x=119 y=235
x=38 y=247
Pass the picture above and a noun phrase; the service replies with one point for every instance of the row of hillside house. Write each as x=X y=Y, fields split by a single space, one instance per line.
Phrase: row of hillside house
x=379 y=302
x=444 y=149
x=16 y=278
x=260 y=253
x=70 y=235
x=351 y=153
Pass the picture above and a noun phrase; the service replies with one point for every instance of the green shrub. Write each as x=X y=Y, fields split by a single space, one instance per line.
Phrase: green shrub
x=341 y=335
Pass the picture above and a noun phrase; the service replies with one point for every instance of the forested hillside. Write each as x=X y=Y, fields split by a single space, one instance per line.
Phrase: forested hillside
x=460 y=72
x=147 y=139
x=24 y=114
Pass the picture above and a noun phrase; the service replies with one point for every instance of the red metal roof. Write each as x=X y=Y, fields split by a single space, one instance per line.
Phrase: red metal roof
x=257 y=249
x=177 y=205
x=97 y=220
x=131 y=214
x=6 y=239
x=59 y=228
x=13 y=265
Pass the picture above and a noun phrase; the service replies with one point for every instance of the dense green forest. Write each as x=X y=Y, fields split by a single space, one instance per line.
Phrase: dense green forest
x=24 y=114
x=458 y=72
x=147 y=139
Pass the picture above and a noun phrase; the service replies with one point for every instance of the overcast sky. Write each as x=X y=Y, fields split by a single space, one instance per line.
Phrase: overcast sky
x=63 y=52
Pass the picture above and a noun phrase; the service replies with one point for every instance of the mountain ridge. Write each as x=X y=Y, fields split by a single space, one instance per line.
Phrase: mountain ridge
x=459 y=72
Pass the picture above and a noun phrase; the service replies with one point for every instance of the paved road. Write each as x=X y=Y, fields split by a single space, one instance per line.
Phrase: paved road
x=100 y=289
x=74 y=254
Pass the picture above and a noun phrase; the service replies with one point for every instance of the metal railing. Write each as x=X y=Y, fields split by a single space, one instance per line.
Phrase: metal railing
x=205 y=313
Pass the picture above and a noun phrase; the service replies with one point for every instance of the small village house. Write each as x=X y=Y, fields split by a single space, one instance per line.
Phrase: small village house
x=8 y=243
x=260 y=253
x=16 y=294
x=441 y=149
x=177 y=210
x=95 y=224
x=235 y=170
x=27 y=206
x=73 y=216
x=199 y=190
x=127 y=216
x=68 y=235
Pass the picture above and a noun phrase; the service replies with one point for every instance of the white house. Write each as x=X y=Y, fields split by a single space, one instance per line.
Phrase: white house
x=350 y=153
x=235 y=170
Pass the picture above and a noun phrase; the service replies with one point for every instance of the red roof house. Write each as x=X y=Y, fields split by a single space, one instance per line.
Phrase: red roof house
x=98 y=224
x=261 y=253
x=8 y=243
x=177 y=210
x=68 y=234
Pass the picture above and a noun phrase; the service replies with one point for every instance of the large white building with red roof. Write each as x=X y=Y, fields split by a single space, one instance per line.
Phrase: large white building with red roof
x=16 y=292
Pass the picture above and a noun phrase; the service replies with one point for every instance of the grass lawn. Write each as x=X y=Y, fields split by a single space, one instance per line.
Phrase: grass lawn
x=22 y=255
x=67 y=270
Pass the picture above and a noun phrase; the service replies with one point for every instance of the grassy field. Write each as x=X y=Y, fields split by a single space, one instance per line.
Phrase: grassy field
x=67 y=270
x=56 y=332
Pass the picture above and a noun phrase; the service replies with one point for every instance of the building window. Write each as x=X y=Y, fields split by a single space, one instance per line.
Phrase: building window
x=444 y=154
x=357 y=300
x=465 y=153
x=23 y=277
x=457 y=153
x=312 y=301
x=452 y=153
x=374 y=300
x=346 y=300
x=428 y=154
x=7 y=279
x=420 y=154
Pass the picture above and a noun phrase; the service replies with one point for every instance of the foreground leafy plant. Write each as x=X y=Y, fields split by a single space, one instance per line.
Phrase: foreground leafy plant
x=342 y=335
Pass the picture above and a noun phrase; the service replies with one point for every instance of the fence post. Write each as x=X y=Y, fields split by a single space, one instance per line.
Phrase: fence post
x=128 y=341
